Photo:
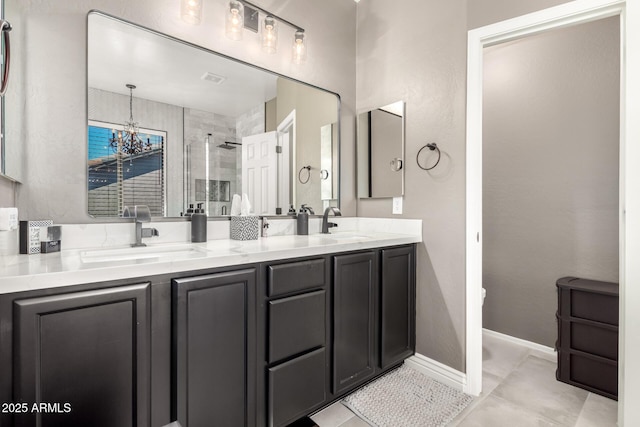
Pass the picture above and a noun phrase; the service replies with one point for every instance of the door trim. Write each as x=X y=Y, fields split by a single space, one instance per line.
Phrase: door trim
x=571 y=13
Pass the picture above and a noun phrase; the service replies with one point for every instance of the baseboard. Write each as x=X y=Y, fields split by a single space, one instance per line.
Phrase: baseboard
x=520 y=341
x=438 y=371
x=456 y=379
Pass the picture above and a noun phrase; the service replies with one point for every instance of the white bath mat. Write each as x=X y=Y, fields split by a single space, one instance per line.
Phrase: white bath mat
x=407 y=398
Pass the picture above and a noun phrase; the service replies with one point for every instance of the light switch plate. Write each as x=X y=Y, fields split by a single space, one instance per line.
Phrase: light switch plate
x=397 y=205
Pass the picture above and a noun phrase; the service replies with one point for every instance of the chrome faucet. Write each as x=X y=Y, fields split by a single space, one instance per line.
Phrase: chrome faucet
x=141 y=214
x=326 y=225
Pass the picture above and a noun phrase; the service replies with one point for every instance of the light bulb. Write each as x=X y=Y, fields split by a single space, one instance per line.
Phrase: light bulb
x=270 y=35
x=191 y=11
x=235 y=20
x=299 y=53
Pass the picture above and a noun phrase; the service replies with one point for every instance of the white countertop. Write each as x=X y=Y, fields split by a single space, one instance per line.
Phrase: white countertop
x=79 y=266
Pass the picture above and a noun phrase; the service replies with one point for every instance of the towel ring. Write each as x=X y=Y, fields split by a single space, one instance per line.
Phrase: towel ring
x=431 y=146
x=308 y=168
x=5 y=27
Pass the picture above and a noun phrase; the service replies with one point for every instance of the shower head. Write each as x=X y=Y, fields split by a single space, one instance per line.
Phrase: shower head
x=229 y=145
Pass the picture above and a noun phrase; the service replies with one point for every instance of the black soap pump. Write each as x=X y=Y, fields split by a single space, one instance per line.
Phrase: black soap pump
x=303 y=221
x=199 y=225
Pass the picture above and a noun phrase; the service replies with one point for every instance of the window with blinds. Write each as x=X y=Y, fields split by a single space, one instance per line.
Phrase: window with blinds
x=116 y=181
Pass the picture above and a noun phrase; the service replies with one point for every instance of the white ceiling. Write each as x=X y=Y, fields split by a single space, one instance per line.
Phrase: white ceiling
x=169 y=71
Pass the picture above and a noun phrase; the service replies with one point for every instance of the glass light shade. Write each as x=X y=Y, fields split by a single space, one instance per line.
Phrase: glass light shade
x=235 y=20
x=299 y=48
x=191 y=11
x=270 y=35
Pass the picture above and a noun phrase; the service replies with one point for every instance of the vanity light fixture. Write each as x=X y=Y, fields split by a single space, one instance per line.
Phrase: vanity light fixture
x=235 y=20
x=243 y=14
x=270 y=35
x=128 y=141
x=191 y=11
x=299 y=48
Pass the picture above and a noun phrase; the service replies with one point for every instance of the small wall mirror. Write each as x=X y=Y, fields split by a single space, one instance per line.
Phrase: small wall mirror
x=208 y=127
x=13 y=125
x=380 y=151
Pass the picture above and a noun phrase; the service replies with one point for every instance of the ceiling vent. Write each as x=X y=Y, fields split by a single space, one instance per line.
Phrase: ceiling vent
x=213 y=78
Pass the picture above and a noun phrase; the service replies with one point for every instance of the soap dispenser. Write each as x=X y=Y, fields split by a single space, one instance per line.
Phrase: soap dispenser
x=303 y=221
x=199 y=225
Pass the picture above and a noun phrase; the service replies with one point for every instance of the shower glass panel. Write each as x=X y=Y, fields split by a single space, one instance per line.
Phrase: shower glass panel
x=211 y=175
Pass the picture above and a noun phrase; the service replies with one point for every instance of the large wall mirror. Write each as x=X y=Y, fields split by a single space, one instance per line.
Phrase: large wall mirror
x=202 y=128
x=380 y=151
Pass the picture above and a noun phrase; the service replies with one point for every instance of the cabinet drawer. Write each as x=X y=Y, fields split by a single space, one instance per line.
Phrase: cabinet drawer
x=296 y=387
x=589 y=372
x=593 y=306
x=593 y=339
x=588 y=299
x=295 y=276
x=296 y=324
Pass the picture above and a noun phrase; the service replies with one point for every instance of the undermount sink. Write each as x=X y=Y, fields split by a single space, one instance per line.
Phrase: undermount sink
x=340 y=236
x=138 y=253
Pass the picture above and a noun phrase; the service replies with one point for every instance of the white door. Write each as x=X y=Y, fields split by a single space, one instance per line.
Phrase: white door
x=260 y=172
x=287 y=182
x=284 y=174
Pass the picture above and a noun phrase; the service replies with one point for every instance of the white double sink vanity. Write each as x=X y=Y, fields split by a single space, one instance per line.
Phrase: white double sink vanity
x=260 y=332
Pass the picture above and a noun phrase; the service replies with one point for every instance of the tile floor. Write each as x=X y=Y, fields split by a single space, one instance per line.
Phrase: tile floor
x=520 y=389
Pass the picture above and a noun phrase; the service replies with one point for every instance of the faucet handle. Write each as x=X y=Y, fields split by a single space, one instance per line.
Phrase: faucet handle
x=149 y=232
x=140 y=212
x=143 y=214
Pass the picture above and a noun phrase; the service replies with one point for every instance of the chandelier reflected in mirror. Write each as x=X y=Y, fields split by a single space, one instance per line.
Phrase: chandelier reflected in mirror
x=128 y=141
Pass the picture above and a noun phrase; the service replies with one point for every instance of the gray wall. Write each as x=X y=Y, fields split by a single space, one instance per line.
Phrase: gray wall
x=550 y=172
x=56 y=95
x=314 y=109
x=7 y=192
x=417 y=53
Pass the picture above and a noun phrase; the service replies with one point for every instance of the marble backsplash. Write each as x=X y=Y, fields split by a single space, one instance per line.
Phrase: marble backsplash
x=84 y=236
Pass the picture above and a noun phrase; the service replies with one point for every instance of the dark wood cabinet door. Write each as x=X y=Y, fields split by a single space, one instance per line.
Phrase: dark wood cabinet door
x=85 y=355
x=354 y=319
x=397 y=305
x=214 y=343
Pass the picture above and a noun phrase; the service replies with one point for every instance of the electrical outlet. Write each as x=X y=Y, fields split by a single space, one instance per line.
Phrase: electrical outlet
x=397 y=205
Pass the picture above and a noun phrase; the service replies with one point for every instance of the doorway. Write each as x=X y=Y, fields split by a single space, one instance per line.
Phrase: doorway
x=568 y=14
x=550 y=172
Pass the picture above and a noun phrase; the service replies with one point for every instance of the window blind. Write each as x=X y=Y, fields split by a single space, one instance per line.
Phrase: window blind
x=116 y=181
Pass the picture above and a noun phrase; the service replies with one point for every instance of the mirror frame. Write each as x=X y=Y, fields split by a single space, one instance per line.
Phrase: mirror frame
x=363 y=153
x=227 y=57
